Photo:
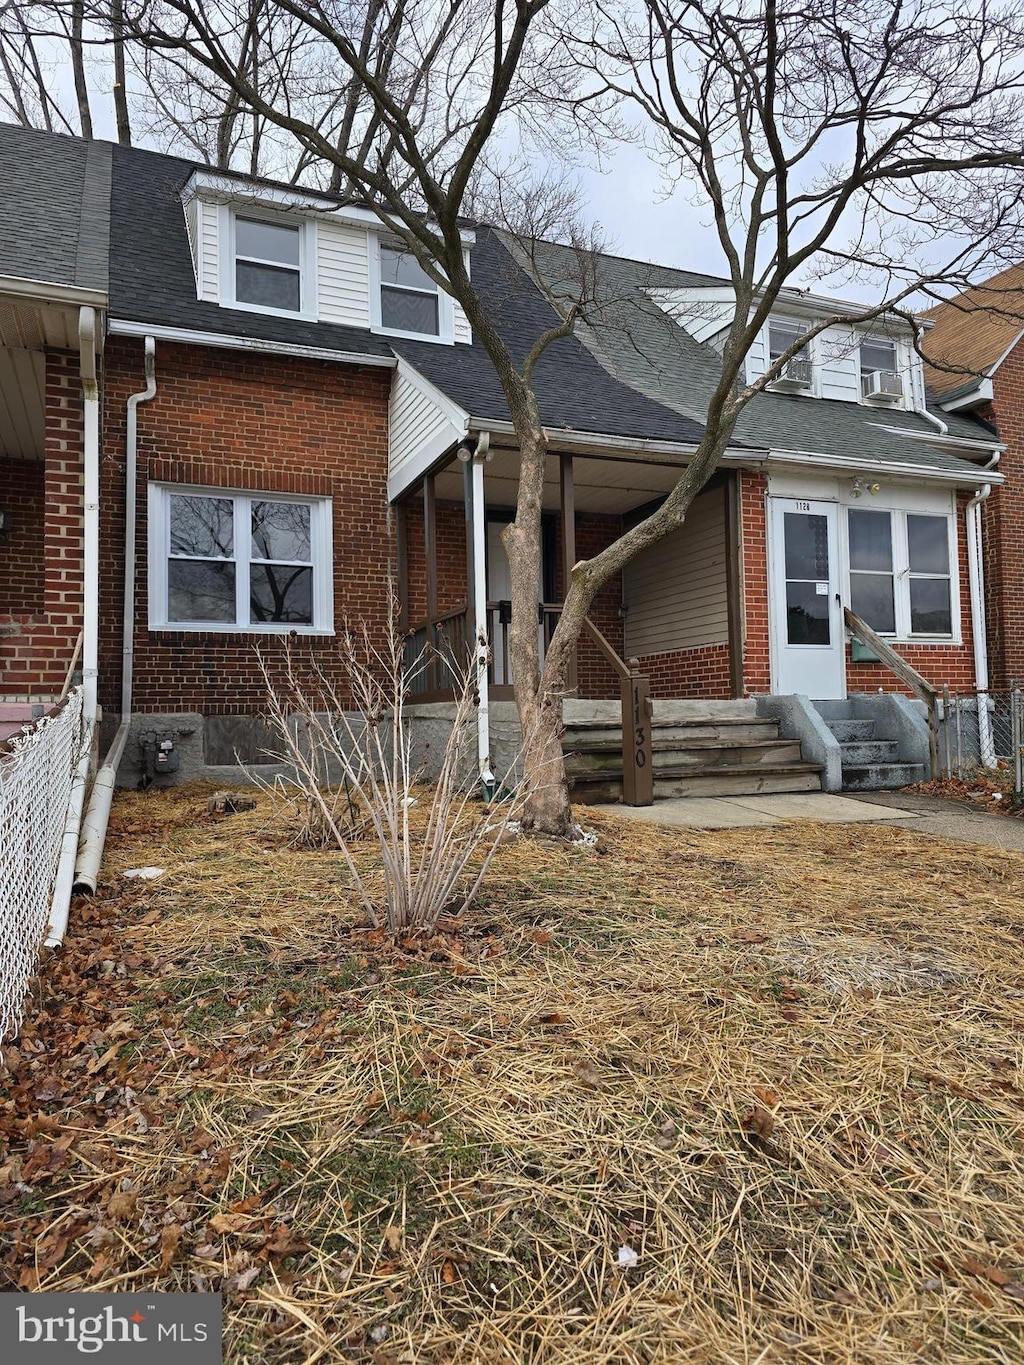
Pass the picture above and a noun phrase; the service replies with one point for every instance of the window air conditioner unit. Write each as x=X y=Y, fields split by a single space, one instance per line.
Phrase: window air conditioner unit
x=795 y=375
x=884 y=385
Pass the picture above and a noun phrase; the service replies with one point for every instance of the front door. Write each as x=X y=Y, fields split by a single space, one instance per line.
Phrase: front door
x=809 y=654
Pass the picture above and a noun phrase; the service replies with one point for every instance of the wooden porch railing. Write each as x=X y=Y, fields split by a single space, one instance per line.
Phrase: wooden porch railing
x=434 y=670
x=637 y=747
x=907 y=674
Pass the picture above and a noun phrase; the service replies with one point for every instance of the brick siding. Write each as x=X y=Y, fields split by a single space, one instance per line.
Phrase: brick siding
x=37 y=639
x=241 y=422
x=1003 y=528
x=21 y=554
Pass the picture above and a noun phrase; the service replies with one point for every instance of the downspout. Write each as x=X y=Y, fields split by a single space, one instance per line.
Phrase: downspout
x=482 y=646
x=976 y=579
x=94 y=829
x=60 y=903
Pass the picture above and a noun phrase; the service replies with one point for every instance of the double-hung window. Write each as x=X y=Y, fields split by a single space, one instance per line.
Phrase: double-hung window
x=901 y=580
x=409 y=299
x=234 y=561
x=267 y=264
x=781 y=336
x=880 y=376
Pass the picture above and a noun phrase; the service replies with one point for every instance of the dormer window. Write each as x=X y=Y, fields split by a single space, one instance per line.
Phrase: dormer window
x=267 y=264
x=796 y=374
x=408 y=296
x=880 y=379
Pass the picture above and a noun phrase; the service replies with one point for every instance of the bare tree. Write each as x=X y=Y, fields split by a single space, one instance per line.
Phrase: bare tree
x=873 y=135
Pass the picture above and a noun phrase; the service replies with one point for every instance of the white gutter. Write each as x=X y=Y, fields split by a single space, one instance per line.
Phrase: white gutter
x=47 y=291
x=222 y=341
x=976 y=580
x=94 y=828
x=60 y=904
x=861 y=466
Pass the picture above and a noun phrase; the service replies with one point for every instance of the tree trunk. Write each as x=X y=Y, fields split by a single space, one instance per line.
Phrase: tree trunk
x=78 y=66
x=124 y=129
x=538 y=696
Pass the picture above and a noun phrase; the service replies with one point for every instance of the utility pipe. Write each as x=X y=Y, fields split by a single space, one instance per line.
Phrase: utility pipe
x=60 y=902
x=94 y=828
x=979 y=632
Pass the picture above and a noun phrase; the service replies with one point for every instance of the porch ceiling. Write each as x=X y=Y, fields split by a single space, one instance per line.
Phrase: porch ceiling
x=22 y=403
x=609 y=487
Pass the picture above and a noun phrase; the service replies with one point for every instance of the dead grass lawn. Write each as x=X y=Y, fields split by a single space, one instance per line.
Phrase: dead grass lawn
x=777 y=1072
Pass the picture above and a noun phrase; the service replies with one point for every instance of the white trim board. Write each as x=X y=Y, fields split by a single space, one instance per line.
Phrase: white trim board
x=227 y=342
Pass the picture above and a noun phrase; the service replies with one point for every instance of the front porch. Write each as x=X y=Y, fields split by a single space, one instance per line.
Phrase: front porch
x=41 y=502
x=676 y=610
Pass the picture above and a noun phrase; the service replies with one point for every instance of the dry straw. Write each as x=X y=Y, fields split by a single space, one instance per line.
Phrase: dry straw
x=709 y=1049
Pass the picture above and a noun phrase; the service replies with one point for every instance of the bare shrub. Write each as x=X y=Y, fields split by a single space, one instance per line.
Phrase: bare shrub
x=349 y=745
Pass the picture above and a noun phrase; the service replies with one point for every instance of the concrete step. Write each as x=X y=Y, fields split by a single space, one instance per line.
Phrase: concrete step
x=684 y=711
x=731 y=730
x=870 y=777
x=850 y=731
x=707 y=753
x=864 y=752
x=717 y=781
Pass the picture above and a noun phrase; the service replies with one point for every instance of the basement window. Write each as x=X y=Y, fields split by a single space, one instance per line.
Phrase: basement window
x=225 y=561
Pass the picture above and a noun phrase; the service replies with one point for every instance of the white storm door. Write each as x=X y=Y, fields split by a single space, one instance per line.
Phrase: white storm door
x=808 y=637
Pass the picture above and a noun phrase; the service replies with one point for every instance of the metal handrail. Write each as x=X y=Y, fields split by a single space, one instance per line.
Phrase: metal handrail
x=906 y=673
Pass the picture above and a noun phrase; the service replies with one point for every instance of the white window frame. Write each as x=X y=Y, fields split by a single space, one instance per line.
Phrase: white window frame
x=321 y=553
x=901 y=573
x=809 y=349
x=445 y=334
x=902 y=369
x=228 y=213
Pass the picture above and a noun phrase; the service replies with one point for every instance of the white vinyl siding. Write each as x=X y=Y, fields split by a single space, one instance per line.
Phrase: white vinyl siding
x=419 y=430
x=840 y=376
x=208 y=236
x=343 y=274
x=676 y=592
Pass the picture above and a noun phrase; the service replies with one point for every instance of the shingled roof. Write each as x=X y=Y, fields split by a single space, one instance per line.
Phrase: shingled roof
x=54 y=208
x=972 y=333
x=642 y=345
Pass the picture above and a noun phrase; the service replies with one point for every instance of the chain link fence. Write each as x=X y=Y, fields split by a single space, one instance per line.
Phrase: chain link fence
x=36 y=774
x=983 y=731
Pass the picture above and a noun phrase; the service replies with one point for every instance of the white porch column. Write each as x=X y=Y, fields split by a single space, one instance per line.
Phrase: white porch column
x=482 y=645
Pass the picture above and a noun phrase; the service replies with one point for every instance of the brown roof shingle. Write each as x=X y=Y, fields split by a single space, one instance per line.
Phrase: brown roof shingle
x=971 y=333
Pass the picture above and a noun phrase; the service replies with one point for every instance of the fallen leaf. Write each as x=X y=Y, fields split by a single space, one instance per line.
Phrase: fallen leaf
x=170 y=1240
x=985 y=1272
x=224 y=1224
x=123 y=1204
x=449 y=1272
x=394 y=1237
x=760 y=1122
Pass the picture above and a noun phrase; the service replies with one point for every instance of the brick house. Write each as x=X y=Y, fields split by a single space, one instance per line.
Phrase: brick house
x=290 y=409
x=976 y=348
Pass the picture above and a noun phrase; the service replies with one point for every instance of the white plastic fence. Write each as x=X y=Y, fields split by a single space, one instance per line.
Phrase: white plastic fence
x=36 y=773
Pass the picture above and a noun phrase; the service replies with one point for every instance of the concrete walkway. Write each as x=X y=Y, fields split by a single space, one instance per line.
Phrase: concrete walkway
x=924 y=814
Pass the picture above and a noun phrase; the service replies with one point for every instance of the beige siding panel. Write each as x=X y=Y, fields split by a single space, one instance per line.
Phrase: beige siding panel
x=415 y=422
x=343 y=274
x=209 y=251
x=676 y=592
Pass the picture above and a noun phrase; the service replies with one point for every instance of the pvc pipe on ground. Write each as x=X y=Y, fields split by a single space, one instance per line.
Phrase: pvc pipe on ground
x=63 y=889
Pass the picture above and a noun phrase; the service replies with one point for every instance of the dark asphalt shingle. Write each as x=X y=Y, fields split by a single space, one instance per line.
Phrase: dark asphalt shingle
x=54 y=196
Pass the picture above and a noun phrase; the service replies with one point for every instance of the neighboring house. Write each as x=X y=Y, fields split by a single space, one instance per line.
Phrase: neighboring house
x=976 y=346
x=317 y=412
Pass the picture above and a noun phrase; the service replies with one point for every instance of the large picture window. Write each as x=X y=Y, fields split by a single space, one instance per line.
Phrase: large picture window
x=901 y=572
x=233 y=561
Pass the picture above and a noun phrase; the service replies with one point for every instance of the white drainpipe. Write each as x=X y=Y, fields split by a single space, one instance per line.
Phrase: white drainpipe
x=94 y=829
x=976 y=579
x=60 y=903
